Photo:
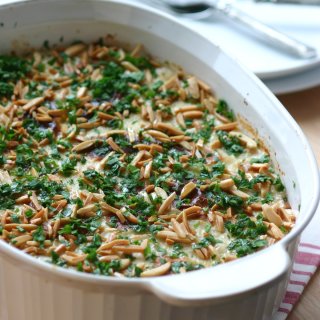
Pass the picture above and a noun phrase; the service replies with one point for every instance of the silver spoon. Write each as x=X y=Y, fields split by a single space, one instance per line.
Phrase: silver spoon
x=270 y=35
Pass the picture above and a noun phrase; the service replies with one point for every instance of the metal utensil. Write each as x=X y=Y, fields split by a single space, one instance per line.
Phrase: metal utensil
x=268 y=34
x=300 y=2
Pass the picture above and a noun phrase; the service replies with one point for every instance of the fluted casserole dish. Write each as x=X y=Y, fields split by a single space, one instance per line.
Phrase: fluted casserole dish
x=249 y=288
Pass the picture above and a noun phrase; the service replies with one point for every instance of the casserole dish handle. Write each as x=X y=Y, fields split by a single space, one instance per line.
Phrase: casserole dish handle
x=215 y=285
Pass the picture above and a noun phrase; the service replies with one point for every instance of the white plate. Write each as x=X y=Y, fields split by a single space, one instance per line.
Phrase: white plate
x=298 y=21
x=296 y=82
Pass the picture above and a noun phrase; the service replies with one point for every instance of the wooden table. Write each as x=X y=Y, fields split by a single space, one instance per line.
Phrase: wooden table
x=304 y=106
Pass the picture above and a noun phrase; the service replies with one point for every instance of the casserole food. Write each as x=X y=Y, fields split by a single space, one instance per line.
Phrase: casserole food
x=218 y=291
x=116 y=164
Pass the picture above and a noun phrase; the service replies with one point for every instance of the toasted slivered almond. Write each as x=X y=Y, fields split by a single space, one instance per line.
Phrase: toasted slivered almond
x=170 y=242
x=168 y=128
x=102 y=52
x=193 y=88
x=72 y=258
x=81 y=120
x=180 y=138
x=115 y=132
x=226 y=184
x=189 y=211
x=200 y=144
x=163 y=234
x=166 y=204
x=106 y=207
x=20 y=240
x=35 y=201
x=132 y=218
x=113 y=145
x=221 y=117
x=85 y=145
x=145 y=192
x=147 y=171
x=189 y=235
x=158 y=134
x=250 y=143
x=226 y=126
x=32 y=103
x=193 y=114
x=129 y=66
x=155 y=148
x=116 y=242
x=188 y=108
x=103 y=162
x=25 y=226
x=271 y=215
x=167 y=217
x=239 y=193
x=65 y=83
x=264 y=188
x=209 y=105
x=259 y=166
x=283 y=213
x=87 y=211
x=181 y=240
x=219 y=224
x=186 y=223
x=178 y=229
x=75 y=49
x=180 y=120
x=42 y=110
x=124 y=263
x=137 y=50
x=128 y=249
x=187 y=189
x=55 y=228
x=37 y=58
x=23 y=199
x=172 y=83
x=132 y=134
x=275 y=232
x=161 y=193
x=60 y=249
x=56 y=112
x=81 y=92
x=137 y=157
x=230 y=257
x=89 y=125
x=109 y=257
x=106 y=116
x=186 y=145
x=256 y=206
x=43 y=118
x=163 y=269
x=60 y=204
x=109 y=208
x=144 y=243
x=5 y=177
x=202 y=253
x=215 y=144
x=203 y=85
x=150 y=113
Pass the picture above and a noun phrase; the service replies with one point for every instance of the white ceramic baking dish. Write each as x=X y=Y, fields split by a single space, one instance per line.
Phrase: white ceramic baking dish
x=249 y=288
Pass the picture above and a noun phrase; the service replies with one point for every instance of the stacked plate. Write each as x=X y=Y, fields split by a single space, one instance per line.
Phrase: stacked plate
x=281 y=72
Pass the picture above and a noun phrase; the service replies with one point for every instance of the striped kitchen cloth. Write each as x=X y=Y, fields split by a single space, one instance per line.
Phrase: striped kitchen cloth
x=306 y=262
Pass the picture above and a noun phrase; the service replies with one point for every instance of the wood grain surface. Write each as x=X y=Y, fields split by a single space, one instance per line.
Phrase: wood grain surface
x=304 y=106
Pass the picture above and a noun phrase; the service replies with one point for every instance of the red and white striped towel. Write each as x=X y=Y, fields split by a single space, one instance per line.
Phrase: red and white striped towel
x=306 y=262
